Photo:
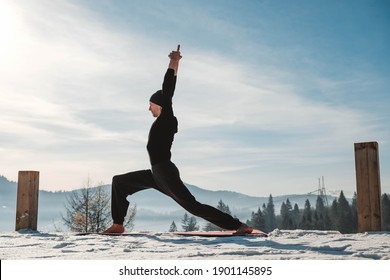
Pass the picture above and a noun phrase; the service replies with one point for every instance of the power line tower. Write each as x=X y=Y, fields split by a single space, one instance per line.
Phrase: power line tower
x=322 y=191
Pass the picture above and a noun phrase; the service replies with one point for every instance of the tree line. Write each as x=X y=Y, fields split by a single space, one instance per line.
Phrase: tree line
x=340 y=215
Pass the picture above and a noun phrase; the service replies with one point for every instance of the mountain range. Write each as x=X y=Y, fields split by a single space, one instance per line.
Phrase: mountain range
x=155 y=212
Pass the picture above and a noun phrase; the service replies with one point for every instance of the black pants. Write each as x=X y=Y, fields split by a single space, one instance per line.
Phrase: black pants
x=165 y=178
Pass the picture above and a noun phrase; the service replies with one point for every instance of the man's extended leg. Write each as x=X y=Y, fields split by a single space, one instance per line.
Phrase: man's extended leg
x=168 y=180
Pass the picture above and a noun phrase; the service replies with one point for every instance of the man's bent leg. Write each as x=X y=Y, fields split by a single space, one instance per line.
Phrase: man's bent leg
x=124 y=185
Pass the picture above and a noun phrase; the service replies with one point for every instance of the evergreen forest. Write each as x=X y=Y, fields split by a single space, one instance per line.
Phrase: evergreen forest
x=340 y=215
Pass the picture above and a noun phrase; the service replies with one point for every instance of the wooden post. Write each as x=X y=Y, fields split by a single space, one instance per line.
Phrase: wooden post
x=368 y=186
x=27 y=200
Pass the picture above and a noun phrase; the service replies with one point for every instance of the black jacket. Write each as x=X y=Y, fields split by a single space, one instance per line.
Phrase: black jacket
x=163 y=129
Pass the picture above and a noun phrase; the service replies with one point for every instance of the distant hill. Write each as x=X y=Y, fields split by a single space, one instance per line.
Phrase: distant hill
x=7 y=187
x=154 y=210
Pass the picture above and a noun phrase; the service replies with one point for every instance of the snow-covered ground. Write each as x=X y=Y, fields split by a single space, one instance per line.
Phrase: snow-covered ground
x=280 y=245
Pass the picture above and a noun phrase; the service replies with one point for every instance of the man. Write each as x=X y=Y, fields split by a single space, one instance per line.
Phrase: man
x=164 y=175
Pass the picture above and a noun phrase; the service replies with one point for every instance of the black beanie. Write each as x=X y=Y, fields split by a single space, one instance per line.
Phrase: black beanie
x=157 y=98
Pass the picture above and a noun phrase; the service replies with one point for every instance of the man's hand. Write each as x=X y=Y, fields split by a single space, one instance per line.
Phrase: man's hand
x=175 y=56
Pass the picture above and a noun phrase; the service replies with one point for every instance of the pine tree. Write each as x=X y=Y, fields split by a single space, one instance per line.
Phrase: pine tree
x=285 y=213
x=173 y=227
x=222 y=207
x=354 y=213
x=385 y=212
x=189 y=223
x=319 y=214
x=265 y=216
x=269 y=215
x=257 y=220
x=344 y=215
x=307 y=220
x=284 y=216
x=334 y=214
x=295 y=215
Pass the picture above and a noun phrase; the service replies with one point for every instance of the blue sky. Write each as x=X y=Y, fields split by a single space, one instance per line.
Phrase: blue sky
x=271 y=95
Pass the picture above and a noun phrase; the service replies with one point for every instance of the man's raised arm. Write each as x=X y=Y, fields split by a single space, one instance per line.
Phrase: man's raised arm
x=169 y=82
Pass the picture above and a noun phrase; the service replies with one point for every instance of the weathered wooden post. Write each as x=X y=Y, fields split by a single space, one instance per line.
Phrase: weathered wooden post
x=27 y=200
x=368 y=186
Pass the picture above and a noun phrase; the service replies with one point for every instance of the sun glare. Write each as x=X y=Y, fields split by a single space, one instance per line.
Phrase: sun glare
x=8 y=27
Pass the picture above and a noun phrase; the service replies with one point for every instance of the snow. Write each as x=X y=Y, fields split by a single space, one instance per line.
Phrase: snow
x=280 y=245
